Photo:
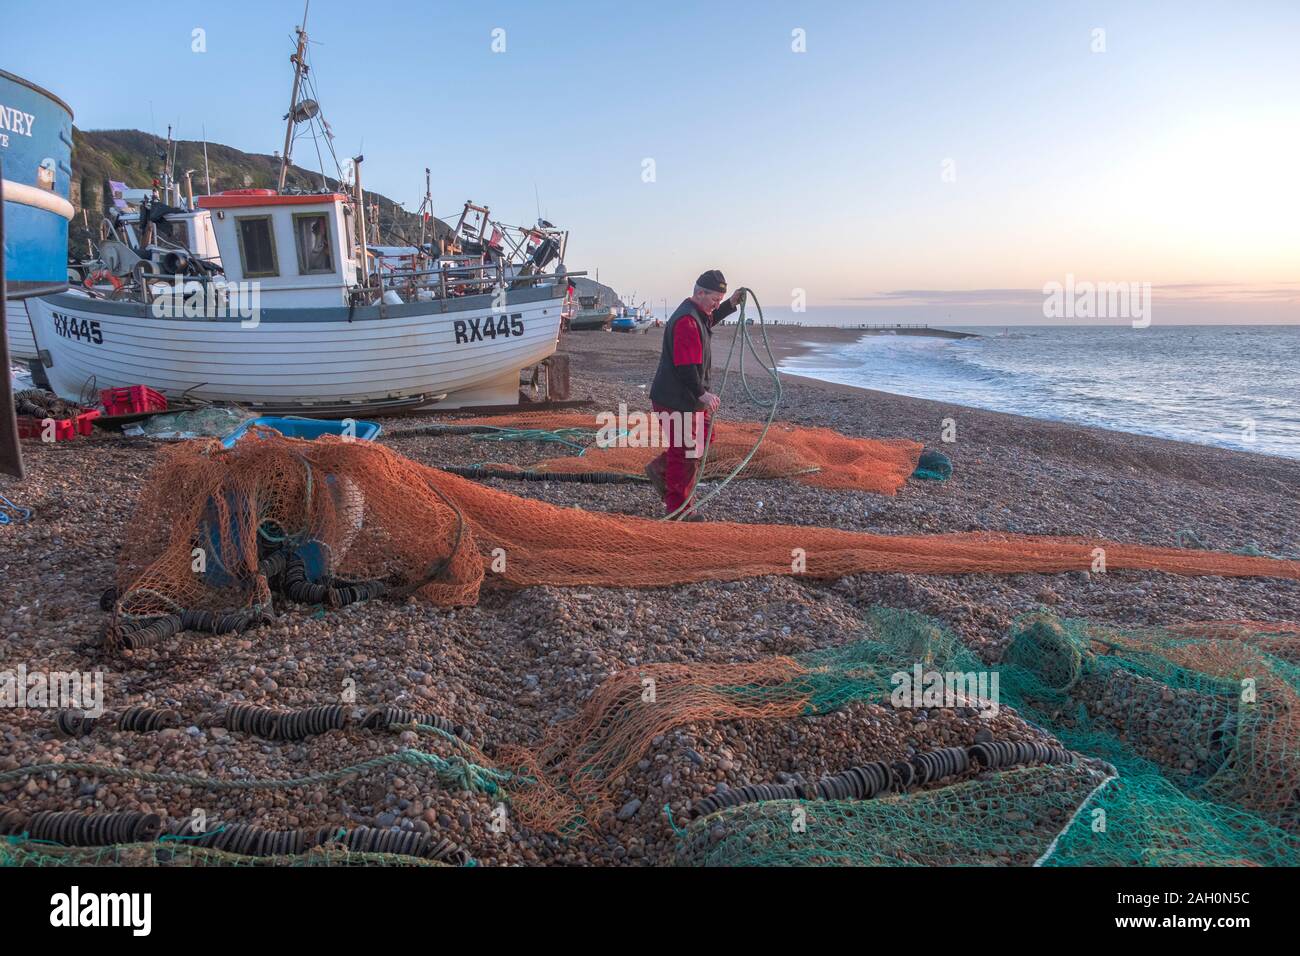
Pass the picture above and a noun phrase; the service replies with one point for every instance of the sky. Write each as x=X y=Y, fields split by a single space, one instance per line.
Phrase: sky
x=908 y=161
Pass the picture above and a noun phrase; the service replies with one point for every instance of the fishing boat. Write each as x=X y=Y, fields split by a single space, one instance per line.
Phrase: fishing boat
x=631 y=319
x=300 y=316
x=36 y=145
x=292 y=323
x=589 y=316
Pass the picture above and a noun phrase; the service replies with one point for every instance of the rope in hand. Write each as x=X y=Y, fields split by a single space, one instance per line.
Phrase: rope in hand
x=747 y=342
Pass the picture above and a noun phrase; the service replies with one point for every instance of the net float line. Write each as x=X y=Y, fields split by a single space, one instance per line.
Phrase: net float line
x=454 y=771
x=139 y=719
x=147 y=719
x=116 y=829
x=74 y=723
x=406 y=843
x=285 y=573
x=126 y=634
x=173 y=853
x=388 y=717
x=285 y=725
x=330 y=592
x=879 y=777
x=75 y=828
x=514 y=472
x=246 y=839
x=266 y=722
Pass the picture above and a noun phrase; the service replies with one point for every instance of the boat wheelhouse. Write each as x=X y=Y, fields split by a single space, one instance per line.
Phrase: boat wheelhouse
x=301 y=250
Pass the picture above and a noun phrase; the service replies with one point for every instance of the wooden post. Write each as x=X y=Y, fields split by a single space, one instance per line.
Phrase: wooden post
x=360 y=200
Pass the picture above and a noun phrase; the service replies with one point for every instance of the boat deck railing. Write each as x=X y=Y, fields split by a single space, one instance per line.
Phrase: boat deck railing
x=471 y=278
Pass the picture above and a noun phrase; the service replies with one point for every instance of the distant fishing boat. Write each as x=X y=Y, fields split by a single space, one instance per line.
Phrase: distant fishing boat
x=631 y=319
x=36 y=145
x=590 y=316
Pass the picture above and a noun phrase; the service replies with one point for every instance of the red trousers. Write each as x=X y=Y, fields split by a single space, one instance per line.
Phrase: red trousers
x=686 y=434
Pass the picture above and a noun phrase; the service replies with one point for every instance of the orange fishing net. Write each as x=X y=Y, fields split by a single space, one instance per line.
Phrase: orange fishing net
x=209 y=516
x=814 y=456
x=216 y=529
x=578 y=764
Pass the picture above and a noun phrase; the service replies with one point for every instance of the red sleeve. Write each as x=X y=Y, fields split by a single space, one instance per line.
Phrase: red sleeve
x=687 y=347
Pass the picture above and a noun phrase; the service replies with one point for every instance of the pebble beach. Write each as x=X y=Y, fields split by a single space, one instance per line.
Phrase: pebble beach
x=521 y=660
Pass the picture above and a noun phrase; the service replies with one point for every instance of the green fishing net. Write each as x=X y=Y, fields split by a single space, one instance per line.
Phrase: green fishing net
x=1188 y=742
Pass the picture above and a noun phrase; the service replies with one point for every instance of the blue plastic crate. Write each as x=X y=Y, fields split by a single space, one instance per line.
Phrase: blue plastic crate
x=308 y=428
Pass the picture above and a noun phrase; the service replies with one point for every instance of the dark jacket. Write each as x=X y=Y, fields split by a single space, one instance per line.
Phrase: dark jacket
x=679 y=386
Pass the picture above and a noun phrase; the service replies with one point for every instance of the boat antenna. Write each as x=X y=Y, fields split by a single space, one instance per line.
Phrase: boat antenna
x=299 y=62
x=167 y=167
x=206 y=175
x=426 y=210
x=538 y=197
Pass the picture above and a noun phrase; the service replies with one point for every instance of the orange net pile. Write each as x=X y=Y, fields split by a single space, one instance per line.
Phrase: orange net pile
x=210 y=517
x=814 y=456
x=578 y=766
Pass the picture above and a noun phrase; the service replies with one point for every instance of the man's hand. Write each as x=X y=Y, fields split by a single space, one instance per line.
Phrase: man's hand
x=737 y=297
x=710 y=402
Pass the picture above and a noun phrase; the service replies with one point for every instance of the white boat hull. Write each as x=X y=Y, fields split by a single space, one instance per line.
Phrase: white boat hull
x=22 y=345
x=306 y=356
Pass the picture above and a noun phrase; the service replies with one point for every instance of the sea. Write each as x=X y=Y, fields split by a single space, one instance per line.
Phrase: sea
x=1233 y=386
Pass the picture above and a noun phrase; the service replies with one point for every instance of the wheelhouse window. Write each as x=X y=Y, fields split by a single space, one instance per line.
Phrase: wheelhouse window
x=311 y=233
x=257 y=246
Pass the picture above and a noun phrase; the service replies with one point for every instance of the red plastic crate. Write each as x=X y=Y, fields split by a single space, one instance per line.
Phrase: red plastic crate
x=132 y=400
x=85 y=422
x=30 y=427
x=64 y=428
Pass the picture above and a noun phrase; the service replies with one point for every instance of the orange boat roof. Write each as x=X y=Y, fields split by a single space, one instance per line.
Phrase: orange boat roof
x=234 y=198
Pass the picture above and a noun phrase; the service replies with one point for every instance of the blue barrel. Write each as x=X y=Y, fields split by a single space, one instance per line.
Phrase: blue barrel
x=36 y=146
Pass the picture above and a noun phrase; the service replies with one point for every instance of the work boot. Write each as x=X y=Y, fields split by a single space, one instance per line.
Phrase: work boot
x=655 y=472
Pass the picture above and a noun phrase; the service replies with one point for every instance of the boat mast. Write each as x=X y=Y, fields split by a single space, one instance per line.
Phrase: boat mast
x=299 y=68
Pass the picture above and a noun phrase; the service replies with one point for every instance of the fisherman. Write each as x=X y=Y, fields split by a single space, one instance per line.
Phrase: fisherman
x=680 y=393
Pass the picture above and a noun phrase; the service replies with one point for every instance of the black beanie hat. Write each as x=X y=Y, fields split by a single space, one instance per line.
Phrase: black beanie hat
x=713 y=281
